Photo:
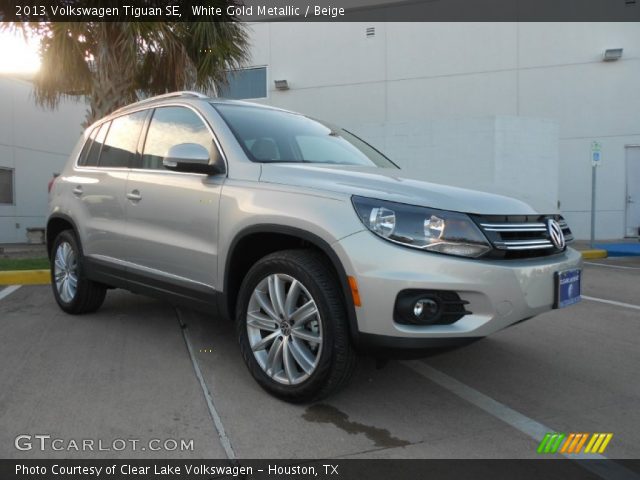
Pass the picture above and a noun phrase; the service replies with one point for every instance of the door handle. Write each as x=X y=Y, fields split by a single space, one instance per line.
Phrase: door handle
x=629 y=199
x=77 y=191
x=134 y=196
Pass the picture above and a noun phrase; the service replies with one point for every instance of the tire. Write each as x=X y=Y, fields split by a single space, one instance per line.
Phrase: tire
x=311 y=355
x=67 y=270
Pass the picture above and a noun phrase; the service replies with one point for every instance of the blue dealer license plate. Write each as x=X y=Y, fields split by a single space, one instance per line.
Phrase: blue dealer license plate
x=567 y=287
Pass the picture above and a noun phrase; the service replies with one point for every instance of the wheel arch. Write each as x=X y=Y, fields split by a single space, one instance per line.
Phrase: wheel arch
x=57 y=223
x=270 y=238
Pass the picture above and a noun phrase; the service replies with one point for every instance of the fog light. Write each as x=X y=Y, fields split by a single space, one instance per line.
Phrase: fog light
x=428 y=307
x=425 y=306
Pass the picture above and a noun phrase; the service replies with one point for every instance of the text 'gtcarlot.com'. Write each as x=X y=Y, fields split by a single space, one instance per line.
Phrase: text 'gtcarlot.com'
x=45 y=442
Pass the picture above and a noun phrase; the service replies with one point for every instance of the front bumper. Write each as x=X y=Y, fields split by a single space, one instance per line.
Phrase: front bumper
x=500 y=293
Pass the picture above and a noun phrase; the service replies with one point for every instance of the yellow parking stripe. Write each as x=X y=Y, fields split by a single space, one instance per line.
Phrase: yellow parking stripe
x=25 y=277
x=594 y=253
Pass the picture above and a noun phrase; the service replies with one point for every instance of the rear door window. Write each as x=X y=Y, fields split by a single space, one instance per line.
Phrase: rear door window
x=82 y=159
x=121 y=144
x=91 y=159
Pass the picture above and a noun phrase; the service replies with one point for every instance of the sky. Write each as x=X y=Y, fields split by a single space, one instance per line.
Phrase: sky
x=17 y=55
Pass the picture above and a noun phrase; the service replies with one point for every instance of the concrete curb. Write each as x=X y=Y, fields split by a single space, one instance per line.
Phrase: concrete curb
x=592 y=254
x=25 y=277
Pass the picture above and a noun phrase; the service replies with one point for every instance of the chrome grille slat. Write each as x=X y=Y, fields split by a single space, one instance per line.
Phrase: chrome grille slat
x=528 y=247
x=514 y=239
x=521 y=229
x=523 y=244
x=513 y=225
x=509 y=243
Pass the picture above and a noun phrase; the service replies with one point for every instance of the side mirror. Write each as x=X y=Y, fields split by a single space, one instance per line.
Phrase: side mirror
x=191 y=158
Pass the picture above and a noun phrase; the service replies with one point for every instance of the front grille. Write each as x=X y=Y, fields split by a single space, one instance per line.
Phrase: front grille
x=521 y=236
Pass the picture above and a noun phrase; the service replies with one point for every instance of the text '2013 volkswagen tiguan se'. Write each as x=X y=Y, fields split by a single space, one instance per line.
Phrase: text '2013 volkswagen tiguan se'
x=308 y=237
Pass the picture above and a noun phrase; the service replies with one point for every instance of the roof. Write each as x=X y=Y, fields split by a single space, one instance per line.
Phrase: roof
x=158 y=99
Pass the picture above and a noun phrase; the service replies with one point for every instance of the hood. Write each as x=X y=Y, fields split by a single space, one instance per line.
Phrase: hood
x=388 y=184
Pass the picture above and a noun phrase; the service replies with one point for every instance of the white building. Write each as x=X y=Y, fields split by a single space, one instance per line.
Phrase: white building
x=34 y=144
x=505 y=106
x=508 y=107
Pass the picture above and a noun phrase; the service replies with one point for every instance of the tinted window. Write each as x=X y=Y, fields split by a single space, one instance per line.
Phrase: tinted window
x=172 y=126
x=96 y=145
x=6 y=186
x=122 y=140
x=246 y=83
x=269 y=135
x=82 y=160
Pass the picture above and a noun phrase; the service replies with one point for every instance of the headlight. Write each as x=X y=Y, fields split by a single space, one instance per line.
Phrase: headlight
x=424 y=228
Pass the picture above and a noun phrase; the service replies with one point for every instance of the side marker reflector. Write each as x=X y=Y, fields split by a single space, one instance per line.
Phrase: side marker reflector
x=353 y=284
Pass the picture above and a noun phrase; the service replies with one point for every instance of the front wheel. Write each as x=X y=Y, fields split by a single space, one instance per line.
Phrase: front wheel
x=292 y=326
x=73 y=291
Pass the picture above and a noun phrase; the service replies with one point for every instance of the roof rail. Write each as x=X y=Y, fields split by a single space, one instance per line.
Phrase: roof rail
x=165 y=95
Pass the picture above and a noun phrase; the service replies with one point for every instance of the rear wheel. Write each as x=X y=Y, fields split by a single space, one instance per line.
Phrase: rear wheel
x=73 y=291
x=292 y=326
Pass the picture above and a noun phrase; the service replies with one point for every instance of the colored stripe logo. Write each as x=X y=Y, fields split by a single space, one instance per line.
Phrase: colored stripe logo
x=574 y=443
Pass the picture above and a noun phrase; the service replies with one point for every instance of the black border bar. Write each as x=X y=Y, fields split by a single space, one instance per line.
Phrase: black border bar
x=321 y=10
x=333 y=469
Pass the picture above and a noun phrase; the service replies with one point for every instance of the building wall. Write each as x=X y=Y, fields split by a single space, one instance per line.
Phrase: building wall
x=35 y=143
x=484 y=153
x=522 y=99
x=416 y=73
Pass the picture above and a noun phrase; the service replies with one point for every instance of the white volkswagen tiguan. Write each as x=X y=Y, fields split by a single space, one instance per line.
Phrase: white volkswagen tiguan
x=311 y=240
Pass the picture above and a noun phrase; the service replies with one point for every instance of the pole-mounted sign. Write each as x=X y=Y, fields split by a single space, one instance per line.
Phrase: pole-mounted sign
x=596 y=159
x=596 y=156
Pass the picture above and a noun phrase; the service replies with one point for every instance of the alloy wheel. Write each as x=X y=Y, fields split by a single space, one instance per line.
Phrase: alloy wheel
x=65 y=272
x=284 y=328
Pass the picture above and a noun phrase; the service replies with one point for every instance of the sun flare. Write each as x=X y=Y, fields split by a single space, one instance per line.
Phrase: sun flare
x=18 y=55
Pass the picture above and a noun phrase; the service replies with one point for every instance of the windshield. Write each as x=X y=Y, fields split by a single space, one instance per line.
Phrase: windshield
x=270 y=136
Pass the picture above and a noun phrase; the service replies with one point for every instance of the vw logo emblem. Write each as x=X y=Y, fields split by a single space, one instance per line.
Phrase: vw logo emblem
x=555 y=233
x=285 y=328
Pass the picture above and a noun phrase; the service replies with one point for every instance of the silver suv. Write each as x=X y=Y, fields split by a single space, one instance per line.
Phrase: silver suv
x=305 y=235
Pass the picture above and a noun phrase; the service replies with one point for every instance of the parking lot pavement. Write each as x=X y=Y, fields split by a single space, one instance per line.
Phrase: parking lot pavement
x=121 y=373
x=126 y=370
x=617 y=278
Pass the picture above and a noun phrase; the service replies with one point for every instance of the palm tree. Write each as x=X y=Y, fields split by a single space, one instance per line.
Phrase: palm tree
x=114 y=64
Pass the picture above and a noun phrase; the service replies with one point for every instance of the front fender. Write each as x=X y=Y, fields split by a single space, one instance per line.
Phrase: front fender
x=244 y=205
